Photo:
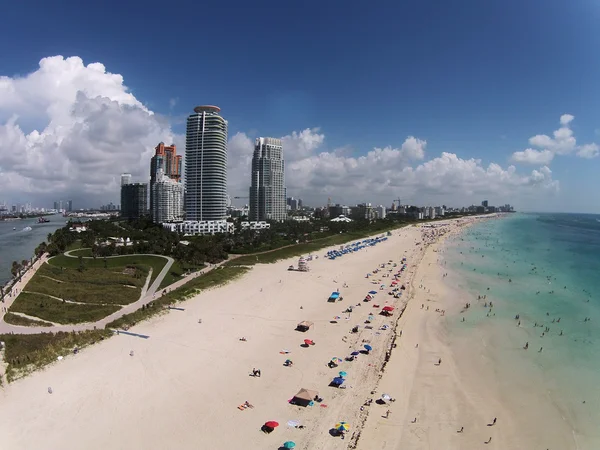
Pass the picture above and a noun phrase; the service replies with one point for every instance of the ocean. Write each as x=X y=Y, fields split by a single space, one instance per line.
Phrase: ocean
x=19 y=244
x=545 y=269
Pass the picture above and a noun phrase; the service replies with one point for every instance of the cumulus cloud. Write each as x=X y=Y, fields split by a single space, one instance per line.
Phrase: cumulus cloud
x=534 y=157
x=588 y=151
x=562 y=142
x=69 y=129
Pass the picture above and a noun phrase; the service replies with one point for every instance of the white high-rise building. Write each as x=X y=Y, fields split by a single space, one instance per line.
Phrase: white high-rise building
x=125 y=178
x=206 y=165
x=267 y=190
x=167 y=196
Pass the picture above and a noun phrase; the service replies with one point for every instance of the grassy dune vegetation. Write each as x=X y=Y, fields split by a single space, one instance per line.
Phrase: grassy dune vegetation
x=57 y=311
x=214 y=278
x=92 y=285
x=15 y=319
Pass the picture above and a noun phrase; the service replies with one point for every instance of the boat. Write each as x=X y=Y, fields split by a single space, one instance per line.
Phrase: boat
x=43 y=220
x=27 y=229
x=14 y=228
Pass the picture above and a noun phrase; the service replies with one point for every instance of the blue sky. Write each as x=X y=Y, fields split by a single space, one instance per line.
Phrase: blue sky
x=474 y=78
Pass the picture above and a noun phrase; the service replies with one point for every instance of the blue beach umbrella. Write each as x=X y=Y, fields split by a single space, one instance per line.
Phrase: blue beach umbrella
x=289 y=444
x=372 y=292
x=355 y=353
x=368 y=347
x=343 y=374
x=338 y=380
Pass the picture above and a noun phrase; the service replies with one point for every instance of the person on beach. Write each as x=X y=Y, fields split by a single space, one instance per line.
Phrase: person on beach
x=461 y=430
x=387 y=414
x=526 y=345
x=540 y=350
x=488 y=441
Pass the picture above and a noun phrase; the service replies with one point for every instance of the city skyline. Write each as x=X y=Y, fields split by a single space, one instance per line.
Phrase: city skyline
x=467 y=118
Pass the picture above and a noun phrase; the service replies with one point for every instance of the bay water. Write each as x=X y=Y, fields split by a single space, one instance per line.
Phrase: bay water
x=17 y=242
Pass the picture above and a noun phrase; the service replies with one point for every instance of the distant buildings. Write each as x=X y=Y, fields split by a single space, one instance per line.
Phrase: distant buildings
x=294 y=204
x=134 y=200
x=267 y=190
x=484 y=203
x=167 y=199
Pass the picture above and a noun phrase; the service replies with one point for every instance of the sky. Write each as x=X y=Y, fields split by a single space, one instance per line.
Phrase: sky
x=429 y=101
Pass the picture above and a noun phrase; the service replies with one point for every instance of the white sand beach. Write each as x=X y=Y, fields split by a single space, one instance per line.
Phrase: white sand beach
x=184 y=383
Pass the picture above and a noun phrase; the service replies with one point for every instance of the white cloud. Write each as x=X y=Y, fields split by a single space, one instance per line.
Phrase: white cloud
x=566 y=119
x=534 y=157
x=588 y=151
x=68 y=129
x=562 y=143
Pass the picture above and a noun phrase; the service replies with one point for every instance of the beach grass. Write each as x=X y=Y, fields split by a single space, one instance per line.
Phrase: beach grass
x=304 y=248
x=155 y=262
x=214 y=278
x=27 y=352
x=176 y=272
x=93 y=285
x=57 y=311
x=15 y=319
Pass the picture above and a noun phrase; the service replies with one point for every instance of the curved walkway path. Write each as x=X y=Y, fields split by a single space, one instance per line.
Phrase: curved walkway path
x=148 y=294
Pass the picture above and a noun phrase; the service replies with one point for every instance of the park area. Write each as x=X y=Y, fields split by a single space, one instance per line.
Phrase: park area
x=71 y=290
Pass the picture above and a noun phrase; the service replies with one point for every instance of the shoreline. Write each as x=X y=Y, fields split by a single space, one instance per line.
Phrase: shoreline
x=202 y=368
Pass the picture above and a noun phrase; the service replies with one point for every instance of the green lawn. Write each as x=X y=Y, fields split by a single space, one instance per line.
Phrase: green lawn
x=85 y=252
x=27 y=352
x=15 y=319
x=57 y=311
x=155 y=262
x=175 y=272
x=93 y=285
x=303 y=249
x=214 y=278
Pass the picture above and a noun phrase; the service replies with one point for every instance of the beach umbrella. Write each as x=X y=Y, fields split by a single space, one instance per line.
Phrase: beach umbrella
x=308 y=342
x=385 y=397
x=336 y=360
x=271 y=424
x=289 y=444
x=342 y=426
x=388 y=308
x=343 y=374
x=372 y=292
x=338 y=380
x=368 y=347
x=355 y=353
x=293 y=423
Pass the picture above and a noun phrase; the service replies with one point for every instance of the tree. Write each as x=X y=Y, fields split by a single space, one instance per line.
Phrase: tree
x=15 y=268
x=49 y=237
x=81 y=266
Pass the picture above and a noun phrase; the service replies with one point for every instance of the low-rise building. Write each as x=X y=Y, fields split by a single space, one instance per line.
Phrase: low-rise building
x=261 y=225
x=193 y=227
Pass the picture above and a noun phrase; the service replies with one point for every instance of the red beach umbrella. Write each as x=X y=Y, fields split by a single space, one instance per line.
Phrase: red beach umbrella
x=271 y=424
x=388 y=308
x=308 y=342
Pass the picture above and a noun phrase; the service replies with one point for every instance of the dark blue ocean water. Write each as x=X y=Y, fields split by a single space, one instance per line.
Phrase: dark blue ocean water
x=546 y=269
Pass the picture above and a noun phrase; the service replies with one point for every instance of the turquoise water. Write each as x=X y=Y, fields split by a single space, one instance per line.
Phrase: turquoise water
x=553 y=264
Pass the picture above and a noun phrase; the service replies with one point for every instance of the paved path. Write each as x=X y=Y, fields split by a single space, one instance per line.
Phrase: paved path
x=148 y=294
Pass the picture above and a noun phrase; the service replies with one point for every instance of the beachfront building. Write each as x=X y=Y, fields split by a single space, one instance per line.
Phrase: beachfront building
x=362 y=211
x=188 y=227
x=261 y=225
x=267 y=189
x=134 y=200
x=167 y=199
x=206 y=170
x=168 y=163
x=125 y=179
x=341 y=219
x=380 y=212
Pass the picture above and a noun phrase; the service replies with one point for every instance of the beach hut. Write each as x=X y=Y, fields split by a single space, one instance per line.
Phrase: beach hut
x=304 y=326
x=304 y=397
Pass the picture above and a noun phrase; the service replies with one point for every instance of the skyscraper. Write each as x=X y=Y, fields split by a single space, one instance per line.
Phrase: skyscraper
x=168 y=162
x=125 y=178
x=134 y=200
x=70 y=205
x=206 y=165
x=167 y=195
x=267 y=191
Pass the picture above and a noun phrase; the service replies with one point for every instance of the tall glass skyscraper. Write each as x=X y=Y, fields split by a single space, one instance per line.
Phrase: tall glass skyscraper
x=267 y=189
x=206 y=165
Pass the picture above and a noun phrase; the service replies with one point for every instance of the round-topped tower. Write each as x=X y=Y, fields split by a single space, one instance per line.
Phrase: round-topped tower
x=206 y=165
